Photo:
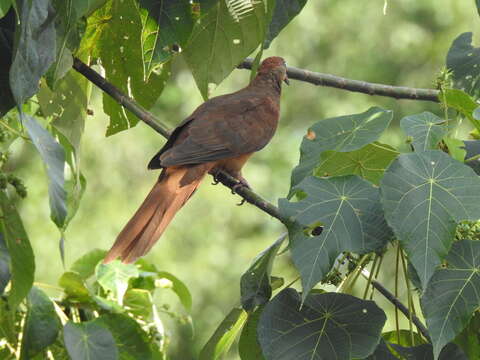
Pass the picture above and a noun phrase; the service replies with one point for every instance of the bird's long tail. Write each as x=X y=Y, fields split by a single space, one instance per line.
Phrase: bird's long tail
x=173 y=188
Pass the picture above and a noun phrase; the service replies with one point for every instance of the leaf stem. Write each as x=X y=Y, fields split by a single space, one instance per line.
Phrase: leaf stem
x=369 y=281
x=397 y=323
x=409 y=295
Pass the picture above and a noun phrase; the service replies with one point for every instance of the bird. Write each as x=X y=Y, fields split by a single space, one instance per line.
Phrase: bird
x=220 y=135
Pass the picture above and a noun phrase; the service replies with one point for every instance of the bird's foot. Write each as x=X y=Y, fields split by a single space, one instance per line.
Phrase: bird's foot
x=241 y=183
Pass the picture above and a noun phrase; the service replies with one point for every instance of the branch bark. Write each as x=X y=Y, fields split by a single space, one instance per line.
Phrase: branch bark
x=320 y=79
x=148 y=118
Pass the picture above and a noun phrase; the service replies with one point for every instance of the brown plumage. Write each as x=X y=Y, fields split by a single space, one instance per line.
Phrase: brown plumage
x=221 y=134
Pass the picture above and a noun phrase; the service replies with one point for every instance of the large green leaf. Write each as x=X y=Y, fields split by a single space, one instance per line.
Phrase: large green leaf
x=7 y=28
x=131 y=340
x=349 y=209
x=165 y=23
x=53 y=156
x=5 y=274
x=119 y=44
x=343 y=133
x=41 y=324
x=425 y=352
x=5 y=5
x=74 y=287
x=114 y=277
x=222 y=38
x=369 y=162
x=89 y=340
x=469 y=339
x=85 y=265
x=462 y=102
x=424 y=195
x=426 y=130
x=21 y=255
x=255 y=288
x=453 y=294
x=248 y=345
x=69 y=28
x=325 y=326
x=284 y=12
x=34 y=50
x=464 y=61
x=223 y=337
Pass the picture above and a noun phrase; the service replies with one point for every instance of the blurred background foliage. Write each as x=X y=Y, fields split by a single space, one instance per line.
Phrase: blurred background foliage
x=211 y=241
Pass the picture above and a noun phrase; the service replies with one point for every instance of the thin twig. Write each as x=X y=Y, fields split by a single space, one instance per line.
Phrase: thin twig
x=398 y=304
x=148 y=118
x=315 y=78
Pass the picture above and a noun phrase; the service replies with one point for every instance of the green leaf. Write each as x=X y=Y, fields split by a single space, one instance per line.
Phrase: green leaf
x=34 y=50
x=382 y=352
x=114 y=277
x=453 y=294
x=472 y=149
x=222 y=38
x=139 y=302
x=464 y=61
x=85 y=265
x=223 y=337
x=7 y=28
x=132 y=341
x=5 y=274
x=53 y=156
x=89 y=340
x=369 y=162
x=284 y=11
x=120 y=51
x=69 y=29
x=248 y=345
x=462 y=102
x=469 y=338
x=5 y=5
x=425 y=352
x=41 y=324
x=177 y=286
x=403 y=338
x=349 y=209
x=165 y=23
x=455 y=148
x=426 y=129
x=74 y=287
x=343 y=133
x=21 y=255
x=325 y=326
x=424 y=195
x=255 y=288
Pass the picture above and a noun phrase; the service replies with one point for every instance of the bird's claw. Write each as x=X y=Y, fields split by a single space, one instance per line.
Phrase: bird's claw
x=241 y=202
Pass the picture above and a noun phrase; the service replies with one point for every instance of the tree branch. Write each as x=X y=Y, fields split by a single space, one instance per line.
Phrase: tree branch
x=399 y=305
x=398 y=92
x=149 y=119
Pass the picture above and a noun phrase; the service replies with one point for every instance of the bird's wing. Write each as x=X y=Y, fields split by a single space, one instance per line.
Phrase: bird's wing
x=241 y=125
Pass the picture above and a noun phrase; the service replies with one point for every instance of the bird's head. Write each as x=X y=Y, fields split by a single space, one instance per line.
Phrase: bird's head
x=275 y=65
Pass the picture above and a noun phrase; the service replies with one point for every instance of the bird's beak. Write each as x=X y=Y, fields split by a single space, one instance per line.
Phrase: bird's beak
x=286 y=80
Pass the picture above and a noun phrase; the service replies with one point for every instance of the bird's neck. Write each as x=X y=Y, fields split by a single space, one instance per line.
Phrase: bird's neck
x=267 y=82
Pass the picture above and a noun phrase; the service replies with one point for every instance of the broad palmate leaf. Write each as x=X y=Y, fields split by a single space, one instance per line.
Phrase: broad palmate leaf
x=369 y=162
x=424 y=195
x=343 y=133
x=255 y=288
x=325 y=326
x=464 y=61
x=453 y=294
x=89 y=340
x=426 y=129
x=222 y=38
x=284 y=11
x=349 y=208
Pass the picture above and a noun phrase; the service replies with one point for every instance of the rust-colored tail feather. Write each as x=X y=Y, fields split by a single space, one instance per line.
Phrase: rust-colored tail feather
x=157 y=210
